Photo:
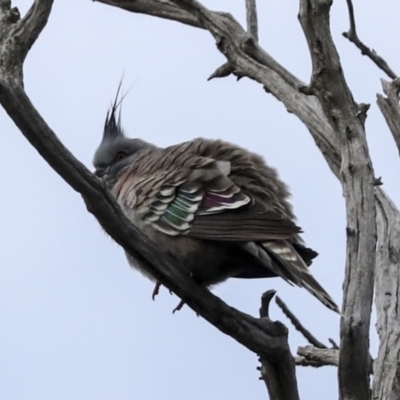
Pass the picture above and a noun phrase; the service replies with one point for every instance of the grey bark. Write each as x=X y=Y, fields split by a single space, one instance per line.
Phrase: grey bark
x=157 y=8
x=251 y=17
x=315 y=357
x=387 y=280
x=357 y=178
x=390 y=107
x=277 y=388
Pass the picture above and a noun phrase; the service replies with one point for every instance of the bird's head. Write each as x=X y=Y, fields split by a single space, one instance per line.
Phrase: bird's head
x=115 y=151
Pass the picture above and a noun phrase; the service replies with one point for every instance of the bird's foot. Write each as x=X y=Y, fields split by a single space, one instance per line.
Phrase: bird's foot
x=179 y=306
x=156 y=290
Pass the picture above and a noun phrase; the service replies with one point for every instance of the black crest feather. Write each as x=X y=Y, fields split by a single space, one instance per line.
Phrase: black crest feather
x=112 y=125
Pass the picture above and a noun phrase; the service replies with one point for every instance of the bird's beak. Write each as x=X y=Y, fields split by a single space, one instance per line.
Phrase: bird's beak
x=100 y=172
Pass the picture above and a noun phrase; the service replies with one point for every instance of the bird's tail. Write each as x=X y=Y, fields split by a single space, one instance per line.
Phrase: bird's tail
x=287 y=263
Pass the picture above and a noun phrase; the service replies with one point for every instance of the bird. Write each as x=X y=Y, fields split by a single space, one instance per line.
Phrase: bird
x=219 y=208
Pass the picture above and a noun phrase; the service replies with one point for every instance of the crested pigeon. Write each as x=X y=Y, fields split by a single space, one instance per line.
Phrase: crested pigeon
x=219 y=208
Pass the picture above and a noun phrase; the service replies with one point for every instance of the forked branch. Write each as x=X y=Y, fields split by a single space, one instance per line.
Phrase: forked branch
x=329 y=86
x=352 y=35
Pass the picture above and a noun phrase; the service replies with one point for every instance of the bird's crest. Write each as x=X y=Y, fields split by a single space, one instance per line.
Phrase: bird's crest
x=112 y=125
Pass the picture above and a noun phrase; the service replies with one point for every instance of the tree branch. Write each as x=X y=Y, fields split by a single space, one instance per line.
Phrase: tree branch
x=390 y=107
x=387 y=279
x=221 y=72
x=298 y=325
x=387 y=297
x=24 y=30
x=262 y=336
x=278 y=389
x=357 y=178
x=352 y=36
x=303 y=362
x=315 y=357
x=251 y=16
x=158 y=8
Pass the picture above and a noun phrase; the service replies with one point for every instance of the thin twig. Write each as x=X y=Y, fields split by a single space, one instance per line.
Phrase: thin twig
x=251 y=15
x=298 y=325
x=334 y=344
x=352 y=36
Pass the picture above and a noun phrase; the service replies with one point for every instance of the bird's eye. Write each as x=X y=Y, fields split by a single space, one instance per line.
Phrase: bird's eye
x=121 y=155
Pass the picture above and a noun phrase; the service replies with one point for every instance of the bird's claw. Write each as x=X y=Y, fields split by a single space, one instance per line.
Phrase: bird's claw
x=179 y=306
x=156 y=290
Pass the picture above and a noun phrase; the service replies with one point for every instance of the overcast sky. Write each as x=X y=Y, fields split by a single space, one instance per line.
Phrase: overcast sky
x=76 y=321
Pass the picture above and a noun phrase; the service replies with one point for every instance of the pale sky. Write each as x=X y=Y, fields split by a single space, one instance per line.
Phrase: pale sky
x=76 y=322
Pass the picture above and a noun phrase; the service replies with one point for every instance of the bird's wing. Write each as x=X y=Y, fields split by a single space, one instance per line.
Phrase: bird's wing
x=243 y=224
x=178 y=192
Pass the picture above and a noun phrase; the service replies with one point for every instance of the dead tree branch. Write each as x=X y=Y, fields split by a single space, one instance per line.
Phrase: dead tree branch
x=387 y=297
x=303 y=362
x=298 y=325
x=158 y=8
x=221 y=72
x=352 y=36
x=277 y=388
x=315 y=357
x=357 y=178
x=390 y=107
x=251 y=16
